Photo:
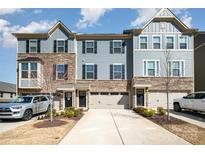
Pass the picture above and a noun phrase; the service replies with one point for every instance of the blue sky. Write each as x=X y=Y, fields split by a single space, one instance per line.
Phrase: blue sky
x=77 y=20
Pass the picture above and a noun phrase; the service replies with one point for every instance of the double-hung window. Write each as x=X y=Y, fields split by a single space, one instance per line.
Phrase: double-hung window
x=170 y=42
x=183 y=42
x=24 y=70
x=156 y=42
x=151 y=68
x=117 y=71
x=143 y=42
x=89 y=46
x=61 y=45
x=176 y=68
x=32 y=46
x=60 y=71
x=33 y=70
x=117 y=46
x=89 y=71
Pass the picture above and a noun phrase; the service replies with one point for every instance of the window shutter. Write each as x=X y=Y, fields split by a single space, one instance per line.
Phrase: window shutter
x=83 y=47
x=54 y=46
x=182 y=68
x=54 y=71
x=95 y=47
x=66 y=45
x=111 y=71
x=83 y=71
x=123 y=71
x=39 y=46
x=27 y=46
x=123 y=47
x=66 y=71
x=111 y=47
x=95 y=71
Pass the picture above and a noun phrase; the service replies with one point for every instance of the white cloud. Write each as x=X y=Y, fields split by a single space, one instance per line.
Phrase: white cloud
x=4 y=11
x=187 y=20
x=37 y=11
x=3 y=24
x=91 y=16
x=143 y=16
x=9 y=40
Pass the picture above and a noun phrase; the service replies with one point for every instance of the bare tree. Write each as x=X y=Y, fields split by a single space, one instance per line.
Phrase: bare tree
x=44 y=79
x=168 y=58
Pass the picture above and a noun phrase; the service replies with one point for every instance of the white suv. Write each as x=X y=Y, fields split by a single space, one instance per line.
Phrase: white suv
x=194 y=101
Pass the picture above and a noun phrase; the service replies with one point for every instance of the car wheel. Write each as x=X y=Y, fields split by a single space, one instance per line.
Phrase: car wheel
x=177 y=107
x=27 y=115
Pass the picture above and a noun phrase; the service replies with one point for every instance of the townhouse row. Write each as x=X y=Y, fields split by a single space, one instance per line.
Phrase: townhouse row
x=109 y=70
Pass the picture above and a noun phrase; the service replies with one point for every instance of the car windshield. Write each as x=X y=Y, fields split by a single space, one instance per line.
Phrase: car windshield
x=25 y=99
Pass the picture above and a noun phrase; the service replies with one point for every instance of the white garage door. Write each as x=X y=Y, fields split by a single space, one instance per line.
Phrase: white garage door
x=109 y=100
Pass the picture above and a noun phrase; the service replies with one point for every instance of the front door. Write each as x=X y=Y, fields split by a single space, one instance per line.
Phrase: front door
x=68 y=99
x=140 y=97
x=82 y=98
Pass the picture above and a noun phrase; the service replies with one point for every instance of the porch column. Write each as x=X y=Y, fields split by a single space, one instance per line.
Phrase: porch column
x=146 y=95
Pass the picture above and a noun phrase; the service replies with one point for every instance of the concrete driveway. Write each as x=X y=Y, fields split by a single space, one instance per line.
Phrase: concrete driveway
x=6 y=125
x=118 y=127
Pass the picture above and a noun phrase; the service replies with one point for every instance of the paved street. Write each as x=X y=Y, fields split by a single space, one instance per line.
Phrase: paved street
x=195 y=118
x=118 y=127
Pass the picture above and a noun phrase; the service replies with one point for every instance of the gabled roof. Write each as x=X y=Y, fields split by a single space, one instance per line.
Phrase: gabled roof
x=59 y=24
x=7 y=87
x=166 y=14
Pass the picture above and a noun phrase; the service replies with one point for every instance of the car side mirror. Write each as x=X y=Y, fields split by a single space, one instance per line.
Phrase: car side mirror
x=35 y=101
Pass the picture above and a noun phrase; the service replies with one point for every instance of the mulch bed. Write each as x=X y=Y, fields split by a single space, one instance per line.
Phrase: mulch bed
x=40 y=132
x=189 y=132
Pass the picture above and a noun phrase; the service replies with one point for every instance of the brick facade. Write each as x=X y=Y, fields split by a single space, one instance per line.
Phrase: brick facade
x=182 y=84
x=47 y=62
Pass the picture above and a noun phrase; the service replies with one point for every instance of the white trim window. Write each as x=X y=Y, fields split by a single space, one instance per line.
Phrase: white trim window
x=89 y=46
x=33 y=70
x=156 y=42
x=117 y=71
x=89 y=71
x=24 y=70
x=60 y=71
x=143 y=42
x=60 y=45
x=151 y=68
x=170 y=42
x=183 y=42
x=29 y=70
x=176 y=68
x=33 y=46
x=117 y=46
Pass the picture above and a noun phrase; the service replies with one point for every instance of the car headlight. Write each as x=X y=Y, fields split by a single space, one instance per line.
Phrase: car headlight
x=16 y=107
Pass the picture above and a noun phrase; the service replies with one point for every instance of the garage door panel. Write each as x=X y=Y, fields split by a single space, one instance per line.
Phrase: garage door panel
x=109 y=102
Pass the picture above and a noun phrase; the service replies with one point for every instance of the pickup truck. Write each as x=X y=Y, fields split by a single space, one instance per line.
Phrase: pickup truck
x=24 y=107
x=194 y=101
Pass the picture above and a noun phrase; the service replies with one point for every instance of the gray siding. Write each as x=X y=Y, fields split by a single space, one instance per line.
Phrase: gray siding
x=152 y=54
x=103 y=59
x=47 y=44
x=159 y=55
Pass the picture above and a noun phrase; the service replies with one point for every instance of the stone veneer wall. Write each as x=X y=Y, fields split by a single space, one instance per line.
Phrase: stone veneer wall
x=47 y=61
x=182 y=84
x=108 y=85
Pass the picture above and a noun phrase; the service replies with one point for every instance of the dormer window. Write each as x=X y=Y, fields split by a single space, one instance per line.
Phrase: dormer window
x=32 y=46
x=61 y=45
